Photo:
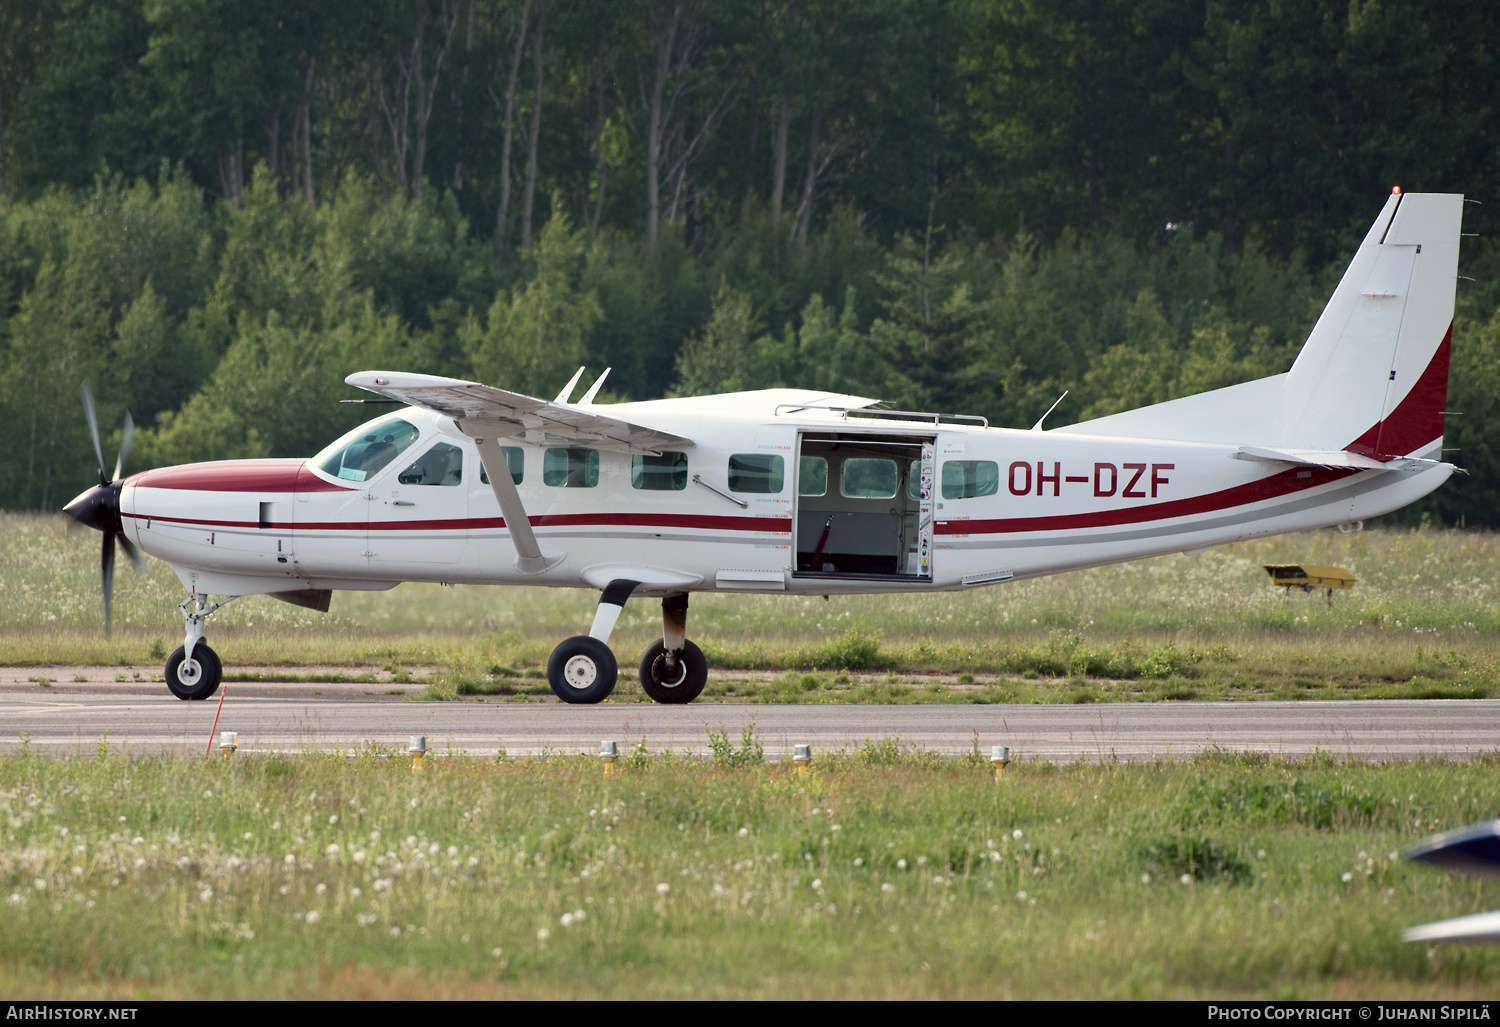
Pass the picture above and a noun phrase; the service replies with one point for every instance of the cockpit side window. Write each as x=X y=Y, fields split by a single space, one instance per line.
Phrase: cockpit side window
x=368 y=449
x=443 y=464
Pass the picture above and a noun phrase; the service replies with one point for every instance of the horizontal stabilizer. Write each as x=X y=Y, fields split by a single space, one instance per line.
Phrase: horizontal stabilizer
x=510 y=414
x=1336 y=458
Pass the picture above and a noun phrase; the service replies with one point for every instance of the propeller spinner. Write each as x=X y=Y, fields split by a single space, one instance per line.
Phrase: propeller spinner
x=98 y=507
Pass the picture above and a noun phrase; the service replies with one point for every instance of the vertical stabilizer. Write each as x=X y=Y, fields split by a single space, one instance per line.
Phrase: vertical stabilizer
x=1373 y=375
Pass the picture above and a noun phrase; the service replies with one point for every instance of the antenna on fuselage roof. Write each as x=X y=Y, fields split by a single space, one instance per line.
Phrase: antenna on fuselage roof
x=588 y=397
x=567 y=390
x=1038 y=425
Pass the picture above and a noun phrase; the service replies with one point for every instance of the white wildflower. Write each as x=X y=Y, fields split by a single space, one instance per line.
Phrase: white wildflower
x=663 y=887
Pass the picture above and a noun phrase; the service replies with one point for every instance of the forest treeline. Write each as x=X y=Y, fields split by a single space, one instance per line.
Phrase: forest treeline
x=215 y=211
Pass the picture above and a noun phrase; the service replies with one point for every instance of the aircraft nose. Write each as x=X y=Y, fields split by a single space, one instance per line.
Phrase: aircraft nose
x=96 y=507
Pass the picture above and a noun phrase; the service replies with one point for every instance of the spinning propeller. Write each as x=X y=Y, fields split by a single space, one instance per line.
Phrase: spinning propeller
x=99 y=507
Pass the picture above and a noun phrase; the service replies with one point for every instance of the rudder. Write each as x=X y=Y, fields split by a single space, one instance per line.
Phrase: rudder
x=1373 y=375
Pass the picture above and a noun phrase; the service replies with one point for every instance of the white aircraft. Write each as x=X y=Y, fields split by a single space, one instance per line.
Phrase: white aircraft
x=801 y=492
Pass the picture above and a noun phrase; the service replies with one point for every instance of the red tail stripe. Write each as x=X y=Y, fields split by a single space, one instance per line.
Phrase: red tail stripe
x=1418 y=418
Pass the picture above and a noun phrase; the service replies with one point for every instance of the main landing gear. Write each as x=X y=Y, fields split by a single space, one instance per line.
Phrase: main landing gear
x=194 y=670
x=673 y=670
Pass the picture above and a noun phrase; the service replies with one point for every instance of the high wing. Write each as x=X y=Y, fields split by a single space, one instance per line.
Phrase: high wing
x=510 y=414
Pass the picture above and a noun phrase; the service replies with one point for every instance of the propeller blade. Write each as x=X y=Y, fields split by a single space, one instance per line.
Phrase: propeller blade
x=107 y=576
x=133 y=554
x=127 y=436
x=93 y=419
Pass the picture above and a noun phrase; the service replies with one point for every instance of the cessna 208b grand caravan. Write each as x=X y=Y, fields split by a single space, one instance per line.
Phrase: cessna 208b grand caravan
x=799 y=492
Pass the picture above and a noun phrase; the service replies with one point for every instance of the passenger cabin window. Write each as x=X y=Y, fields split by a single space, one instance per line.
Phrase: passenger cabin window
x=914 y=480
x=969 y=479
x=869 y=478
x=812 y=476
x=756 y=472
x=443 y=464
x=515 y=459
x=665 y=473
x=368 y=449
x=571 y=468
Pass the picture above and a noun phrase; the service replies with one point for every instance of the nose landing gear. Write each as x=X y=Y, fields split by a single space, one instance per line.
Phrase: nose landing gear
x=582 y=669
x=194 y=671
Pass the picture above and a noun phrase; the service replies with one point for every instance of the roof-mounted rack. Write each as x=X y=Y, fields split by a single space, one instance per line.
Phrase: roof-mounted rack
x=890 y=415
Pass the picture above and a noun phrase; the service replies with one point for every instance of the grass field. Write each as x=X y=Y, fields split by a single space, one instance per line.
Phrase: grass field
x=1424 y=621
x=881 y=873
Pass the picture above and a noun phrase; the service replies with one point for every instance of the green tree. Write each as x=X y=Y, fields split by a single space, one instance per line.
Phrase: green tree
x=536 y=332
x=722 y=357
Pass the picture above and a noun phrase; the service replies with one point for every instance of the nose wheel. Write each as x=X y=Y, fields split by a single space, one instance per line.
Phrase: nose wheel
x=195 y=677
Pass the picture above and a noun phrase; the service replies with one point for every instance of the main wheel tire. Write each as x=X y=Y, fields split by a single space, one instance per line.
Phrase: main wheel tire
x=682 y=687
x=582 y=670
x=197 y=678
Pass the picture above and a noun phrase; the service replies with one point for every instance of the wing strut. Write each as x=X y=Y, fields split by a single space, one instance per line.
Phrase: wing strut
x=529 y=556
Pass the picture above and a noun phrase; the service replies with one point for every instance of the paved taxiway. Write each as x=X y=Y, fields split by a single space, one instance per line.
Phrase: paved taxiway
x=142 y=718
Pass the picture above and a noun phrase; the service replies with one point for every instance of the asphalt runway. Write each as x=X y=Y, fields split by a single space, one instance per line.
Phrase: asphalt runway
x=143 y=718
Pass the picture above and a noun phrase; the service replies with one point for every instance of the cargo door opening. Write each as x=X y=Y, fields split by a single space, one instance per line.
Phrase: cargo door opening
x=864 y=505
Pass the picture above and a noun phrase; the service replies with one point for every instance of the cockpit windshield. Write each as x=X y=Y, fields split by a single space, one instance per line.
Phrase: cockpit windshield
x=368 y=449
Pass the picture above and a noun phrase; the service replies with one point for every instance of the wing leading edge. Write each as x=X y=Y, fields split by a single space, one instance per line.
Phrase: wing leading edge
x=483 y=409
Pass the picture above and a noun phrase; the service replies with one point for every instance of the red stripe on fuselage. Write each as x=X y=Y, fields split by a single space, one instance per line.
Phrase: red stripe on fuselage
x=1273 y=487
x=775 y=525
x=238 y=476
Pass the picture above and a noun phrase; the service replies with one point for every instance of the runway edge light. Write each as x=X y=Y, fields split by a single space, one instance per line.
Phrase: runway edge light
x=802 y=757
x=229 y=741
x=418 y=749
x=999 y=759
x=608 y=752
